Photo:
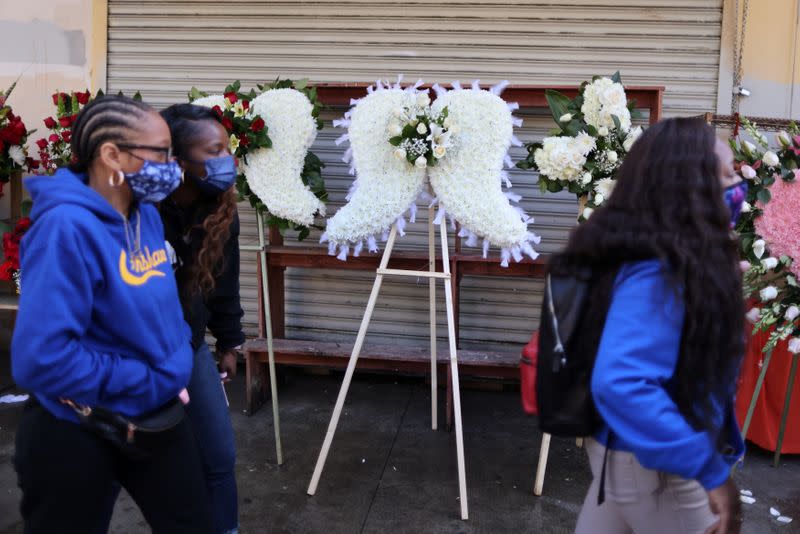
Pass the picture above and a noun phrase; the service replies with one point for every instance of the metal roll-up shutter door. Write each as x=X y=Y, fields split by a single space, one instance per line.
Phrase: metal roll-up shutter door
x=164 y=48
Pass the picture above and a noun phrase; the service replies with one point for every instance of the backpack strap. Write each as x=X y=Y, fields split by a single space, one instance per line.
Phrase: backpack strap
x=601 y=491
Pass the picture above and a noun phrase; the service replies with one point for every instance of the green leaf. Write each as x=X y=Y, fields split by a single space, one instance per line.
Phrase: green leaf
x=409 y=131
x=25 y=207
x=396 y=140
x=591 y=130
x=301 y=84
x=554 y=186
x=196 y=93
x=559 y=103
x=573 y=128
x=616 y=78
x=617 y=123
x=764 y=196
x=792 y=281
x=555 y=131
x=305 y=231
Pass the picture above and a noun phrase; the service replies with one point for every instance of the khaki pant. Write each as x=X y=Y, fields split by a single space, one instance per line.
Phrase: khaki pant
x=640 y=500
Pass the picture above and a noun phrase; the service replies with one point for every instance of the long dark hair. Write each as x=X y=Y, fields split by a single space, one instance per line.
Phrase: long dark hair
x=668 y=205
x=184 y=124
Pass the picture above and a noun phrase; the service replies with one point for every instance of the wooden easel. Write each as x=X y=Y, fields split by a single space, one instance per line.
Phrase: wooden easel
x=432 y=275
x=261 y=248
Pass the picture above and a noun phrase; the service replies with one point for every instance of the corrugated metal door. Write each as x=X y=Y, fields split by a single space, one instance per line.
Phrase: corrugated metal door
x=163 y=48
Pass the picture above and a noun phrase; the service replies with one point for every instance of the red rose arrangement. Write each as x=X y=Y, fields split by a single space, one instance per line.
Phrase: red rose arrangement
x=13 y=135
x=9 y=269
x=54 y=149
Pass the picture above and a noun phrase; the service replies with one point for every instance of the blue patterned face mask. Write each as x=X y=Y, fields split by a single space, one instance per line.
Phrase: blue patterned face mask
x=154 y=181
x=734 y=199
x=220 y=175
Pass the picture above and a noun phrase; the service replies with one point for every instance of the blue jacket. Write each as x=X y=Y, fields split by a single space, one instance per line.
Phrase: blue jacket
x=96 y=324
x=634 y=376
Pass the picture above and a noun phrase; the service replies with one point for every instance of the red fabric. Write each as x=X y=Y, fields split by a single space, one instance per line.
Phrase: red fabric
x=527 y=375
x=766 y=419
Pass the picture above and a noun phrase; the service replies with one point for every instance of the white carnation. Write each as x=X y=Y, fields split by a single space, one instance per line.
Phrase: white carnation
x=423 y=99
x=395 y=129
x=599 y=198
x=421 y=162
x=768 y=293
x=586 y=178
x=585 y=143
x=770 y=158
x=605 y=187
x=792 y=312
x=794 y=345
x=759 y=247
x=17 y=155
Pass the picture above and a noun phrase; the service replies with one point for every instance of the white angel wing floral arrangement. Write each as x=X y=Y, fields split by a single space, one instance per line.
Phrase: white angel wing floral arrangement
x=400 y=143
x=271 y=132
x=768 y=231
x=593 y=135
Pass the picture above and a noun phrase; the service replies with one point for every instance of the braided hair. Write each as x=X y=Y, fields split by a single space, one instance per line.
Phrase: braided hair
x=108 y=118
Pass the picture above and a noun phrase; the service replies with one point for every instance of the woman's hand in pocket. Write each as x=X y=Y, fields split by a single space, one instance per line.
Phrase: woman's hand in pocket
x=725 y=503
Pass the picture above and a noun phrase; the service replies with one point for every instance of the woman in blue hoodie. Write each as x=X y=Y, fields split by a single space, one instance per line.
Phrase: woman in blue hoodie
x=667 y=309
x=100 y=327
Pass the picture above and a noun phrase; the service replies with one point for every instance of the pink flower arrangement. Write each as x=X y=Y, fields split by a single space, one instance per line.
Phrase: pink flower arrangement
x=779 y=224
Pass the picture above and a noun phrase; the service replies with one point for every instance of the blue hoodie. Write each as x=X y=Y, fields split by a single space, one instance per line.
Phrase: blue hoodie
x=633 y=382
x=96 y=324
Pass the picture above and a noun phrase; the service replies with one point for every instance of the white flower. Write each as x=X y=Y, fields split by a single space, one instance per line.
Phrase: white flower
x=602 y=131
x=400 y=153
x=744 y=265
x=233 y=142
x=769 y=263
x=421 y=128
x=17 y=155
x=605 y=187
x=768 y=293
x=792 y=312
x=585 y=143
x=421 y=162
x=586 y=178
x=753 y=315
x=746 y=207
x=560 y=158
x=783 y=139
x=413 y=121
x=423 y=99
x=612 y=156
x=758 y=247
x=395 y=129
x=448 y=122
x=238 y=109
x=794 y=345
x=602 y=100
x=770 y=158
x=633 y=135
x=599 y=199
x=566 y=117
x=748 y=172
x=587 y=212
x=439 y=136
x=439 y=151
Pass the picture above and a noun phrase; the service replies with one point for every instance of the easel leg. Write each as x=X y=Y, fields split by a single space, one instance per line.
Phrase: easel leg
x=756 y=392
x=351 y=366
x=432 y=286
x=786 y=405
x=262 y=255
x=451 y=335
x=540 y=469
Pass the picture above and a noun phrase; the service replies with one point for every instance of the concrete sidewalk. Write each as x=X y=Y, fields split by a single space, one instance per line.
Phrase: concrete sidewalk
x=388 y=472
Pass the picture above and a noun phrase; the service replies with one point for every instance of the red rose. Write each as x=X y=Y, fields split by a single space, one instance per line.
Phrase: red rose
x=54 y=138
x=246 y=104
x=42 y=143
x=217 y=110
x=23 y=224
x=244 y=140
x=67 y=121
x=227 y=123
x=6 y=269
x=66 y=135
x=64 y=97
x=257 y=125
x=32 y=163
x=50 y=122
x=83 y=98
x=232 y=98
x=14 y=131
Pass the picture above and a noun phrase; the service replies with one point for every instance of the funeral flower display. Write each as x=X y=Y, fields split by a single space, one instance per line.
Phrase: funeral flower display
x=421 y=136
x=769 y=228
x=593 y=135
x=13 y=135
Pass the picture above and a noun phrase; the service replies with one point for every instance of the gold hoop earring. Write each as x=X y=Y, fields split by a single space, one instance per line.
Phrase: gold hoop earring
x=120 y=179
x=183 y=173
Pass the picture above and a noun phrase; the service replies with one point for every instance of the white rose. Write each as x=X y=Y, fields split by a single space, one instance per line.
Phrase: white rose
x=587 y=212
x=794 y=345
x=612 y=156
x=748 y=146
x=17 y=155
x=439 y=151
x=792 y=312
x=400 y=153
x=746 y=207
x=421 y=162
x=783 y=139
x=758 y=248
x=586 y=178
x=395 y=129
x=769 y=263
x=770 y=158
x=602 y=131
x=613 y=96
x=423 y=99
x=414 y=121
x=566 y=117
x=599 y=198
x=748 y=172
x=768 y=293
x=421 y=128
x=448 y=123
x=753 y=315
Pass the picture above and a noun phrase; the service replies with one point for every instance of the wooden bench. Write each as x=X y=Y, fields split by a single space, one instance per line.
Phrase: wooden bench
x=411 y=360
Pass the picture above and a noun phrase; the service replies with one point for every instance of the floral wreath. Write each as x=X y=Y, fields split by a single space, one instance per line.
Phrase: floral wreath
x=250 y=141
x=768 y=230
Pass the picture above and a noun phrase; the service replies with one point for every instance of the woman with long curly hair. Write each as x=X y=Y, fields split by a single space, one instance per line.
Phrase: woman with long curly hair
x=668 y=312
x=202 y=225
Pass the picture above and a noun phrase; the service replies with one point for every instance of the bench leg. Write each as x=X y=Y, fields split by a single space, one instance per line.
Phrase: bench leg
x=540 y=469
x=255 y=383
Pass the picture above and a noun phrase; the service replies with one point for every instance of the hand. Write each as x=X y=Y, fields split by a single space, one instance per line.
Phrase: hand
x=184 y=396
x=227 y=362
x=724 y=502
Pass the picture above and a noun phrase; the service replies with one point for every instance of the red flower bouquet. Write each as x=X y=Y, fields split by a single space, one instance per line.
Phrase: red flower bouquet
x=13 y=136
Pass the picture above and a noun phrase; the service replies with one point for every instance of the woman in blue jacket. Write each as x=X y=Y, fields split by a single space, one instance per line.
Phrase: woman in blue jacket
x=100 y=327
x=669 y=314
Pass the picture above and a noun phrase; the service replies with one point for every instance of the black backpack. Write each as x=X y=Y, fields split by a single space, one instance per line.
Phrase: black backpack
x=569 y=334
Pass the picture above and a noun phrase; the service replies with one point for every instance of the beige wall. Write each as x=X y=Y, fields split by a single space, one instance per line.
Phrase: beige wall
x=55 y=45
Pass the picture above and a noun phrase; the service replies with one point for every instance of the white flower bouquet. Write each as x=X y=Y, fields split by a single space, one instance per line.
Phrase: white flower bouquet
x=421 y=135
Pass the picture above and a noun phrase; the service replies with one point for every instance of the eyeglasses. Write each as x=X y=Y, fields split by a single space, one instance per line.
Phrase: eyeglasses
x=167 y=152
